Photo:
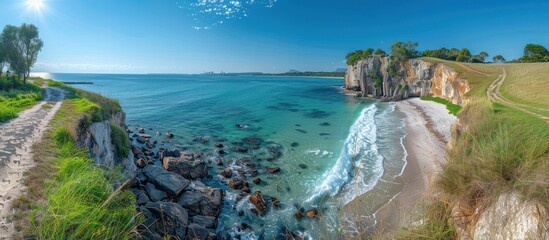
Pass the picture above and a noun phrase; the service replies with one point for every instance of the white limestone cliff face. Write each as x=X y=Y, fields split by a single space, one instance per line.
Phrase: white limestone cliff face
x=400 y=80
x=507 y=218
x=97 y=139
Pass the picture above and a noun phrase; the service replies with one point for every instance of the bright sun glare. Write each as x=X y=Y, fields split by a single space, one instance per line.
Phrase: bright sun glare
x=35 y=5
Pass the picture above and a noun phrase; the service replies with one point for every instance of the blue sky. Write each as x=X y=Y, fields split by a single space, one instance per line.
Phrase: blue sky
x=184 y=36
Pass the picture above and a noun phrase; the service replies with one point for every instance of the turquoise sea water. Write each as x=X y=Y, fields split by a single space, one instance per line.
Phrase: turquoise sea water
x=334 y=146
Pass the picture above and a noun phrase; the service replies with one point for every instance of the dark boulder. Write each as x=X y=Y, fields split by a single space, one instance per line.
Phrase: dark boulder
x=141 y=140
x=171 y=218
x=298 y=214
x=258 y=201
x=154 y=194
x=219 y=145
x=206 y=221
x=236 y=183
x=169 y=135
x=141 y=163
x=206 y=202
x=141 y=130
x=168 y=182
x=257 y=180
x=197 y=232
x=141 y=198
x=302 y=166
x=167 y=153
x=275 y=202
x=312 y=213
x=240 y=149
x=188 y=169
x=226 y=173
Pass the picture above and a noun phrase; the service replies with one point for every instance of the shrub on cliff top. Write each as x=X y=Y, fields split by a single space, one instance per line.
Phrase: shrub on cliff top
x=404 y=50
x=119 y=138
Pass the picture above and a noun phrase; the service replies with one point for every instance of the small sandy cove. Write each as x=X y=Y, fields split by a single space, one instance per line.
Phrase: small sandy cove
x=428 y=131
x=16 y=139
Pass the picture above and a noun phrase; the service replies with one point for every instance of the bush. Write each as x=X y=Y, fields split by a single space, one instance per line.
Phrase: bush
x=120 y=139
x=452 y=108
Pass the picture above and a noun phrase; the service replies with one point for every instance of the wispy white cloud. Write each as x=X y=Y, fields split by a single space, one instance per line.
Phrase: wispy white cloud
x=211 y=13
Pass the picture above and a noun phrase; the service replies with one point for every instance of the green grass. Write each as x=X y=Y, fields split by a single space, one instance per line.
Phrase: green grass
x=452 y=108
x=16 y=97
x=96 y=107
x=527 y=84
x=74 y=197
x=120 y=139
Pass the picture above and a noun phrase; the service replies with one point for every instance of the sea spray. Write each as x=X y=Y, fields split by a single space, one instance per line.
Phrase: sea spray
x=359 y=153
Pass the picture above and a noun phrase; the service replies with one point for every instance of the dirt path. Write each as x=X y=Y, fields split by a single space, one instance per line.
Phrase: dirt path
x=16 y=138
x=493 y=94
x=470 y=69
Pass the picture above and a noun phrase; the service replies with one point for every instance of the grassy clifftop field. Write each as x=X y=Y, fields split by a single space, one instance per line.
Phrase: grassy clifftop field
x=501 y=146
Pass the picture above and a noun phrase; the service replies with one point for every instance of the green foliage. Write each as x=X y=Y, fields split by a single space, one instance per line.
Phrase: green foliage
x=534 y=53
x=74 y=197
x=16 y=97
x=402 y=51
x=378 y=80
x=379 y=52
x=120 y=139
x=353 y=57
x=498 y=59
x=452 y=108
x=435 y=225
x=22 y=45
x=533 y=49
x=464 y=55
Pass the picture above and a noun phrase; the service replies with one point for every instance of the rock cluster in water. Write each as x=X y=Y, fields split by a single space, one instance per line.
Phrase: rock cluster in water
x=171 y=193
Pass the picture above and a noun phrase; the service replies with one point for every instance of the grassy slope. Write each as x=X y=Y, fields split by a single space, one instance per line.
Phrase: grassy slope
x=501 y=148
x=527 y=84
x=15 y=100
x=64 y=191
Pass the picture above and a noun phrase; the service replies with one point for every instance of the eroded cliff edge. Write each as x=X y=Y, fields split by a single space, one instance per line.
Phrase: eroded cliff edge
x=390 y=79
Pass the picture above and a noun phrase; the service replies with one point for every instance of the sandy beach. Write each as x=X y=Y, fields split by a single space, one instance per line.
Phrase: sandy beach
x=428 y=130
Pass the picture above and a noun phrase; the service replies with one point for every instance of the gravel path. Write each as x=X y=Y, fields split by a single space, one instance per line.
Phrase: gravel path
x=16 y=139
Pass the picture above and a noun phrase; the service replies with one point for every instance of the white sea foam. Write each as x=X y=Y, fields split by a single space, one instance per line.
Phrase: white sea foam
x=359 y=157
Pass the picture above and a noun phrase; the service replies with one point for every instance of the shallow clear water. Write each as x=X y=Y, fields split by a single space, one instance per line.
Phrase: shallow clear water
x=333 y=145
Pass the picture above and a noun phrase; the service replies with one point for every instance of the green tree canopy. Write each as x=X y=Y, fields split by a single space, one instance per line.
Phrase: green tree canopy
x=533 y=49
x=401 y=50
x=498 y=59
x=380 y=52
x=22 y=46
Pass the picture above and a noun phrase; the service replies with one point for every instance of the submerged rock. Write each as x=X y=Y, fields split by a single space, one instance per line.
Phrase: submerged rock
x=312 y=213
x=273 y=170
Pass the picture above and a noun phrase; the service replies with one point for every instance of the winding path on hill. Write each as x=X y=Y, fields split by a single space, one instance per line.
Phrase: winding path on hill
x=16 y=139
x=494 y=95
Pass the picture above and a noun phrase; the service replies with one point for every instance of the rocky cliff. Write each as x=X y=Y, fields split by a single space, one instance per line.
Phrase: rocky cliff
x=509 y=217
x=96 y=137
x=392 y=80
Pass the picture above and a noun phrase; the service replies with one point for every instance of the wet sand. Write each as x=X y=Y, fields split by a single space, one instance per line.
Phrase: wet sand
x=428 y=131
